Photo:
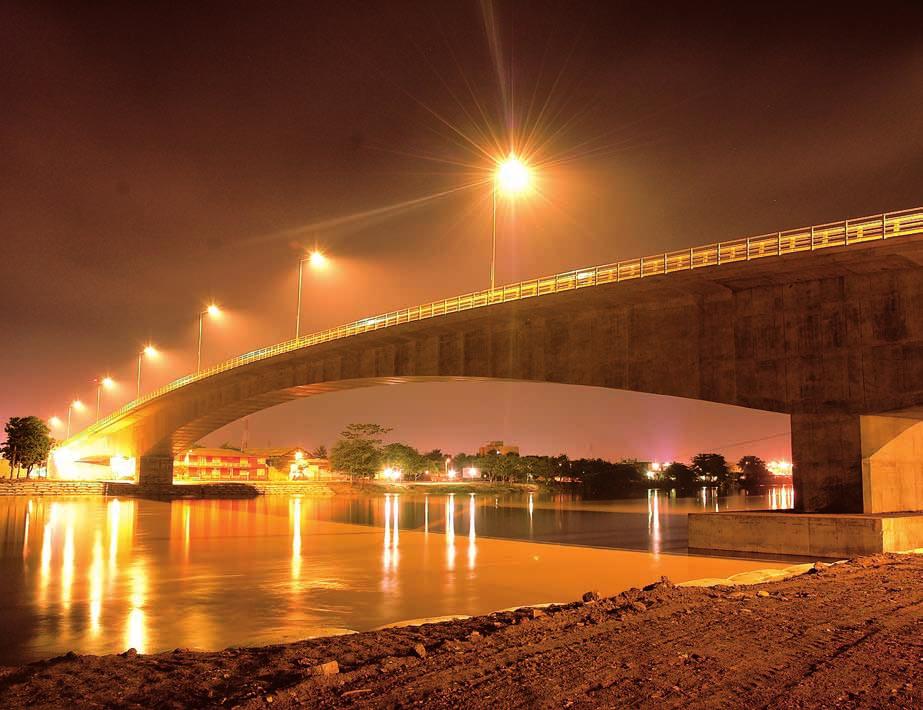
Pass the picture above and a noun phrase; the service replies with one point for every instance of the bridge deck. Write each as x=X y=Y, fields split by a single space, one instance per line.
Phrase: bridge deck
x=845 y=233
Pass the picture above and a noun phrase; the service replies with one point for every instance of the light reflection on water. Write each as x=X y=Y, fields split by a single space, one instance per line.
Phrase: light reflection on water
x=100 y=575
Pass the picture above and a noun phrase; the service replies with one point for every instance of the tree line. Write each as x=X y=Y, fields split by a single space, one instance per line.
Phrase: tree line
x=361 y=453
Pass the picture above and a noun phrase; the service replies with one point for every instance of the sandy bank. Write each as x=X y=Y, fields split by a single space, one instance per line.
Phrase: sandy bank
x=847 y=635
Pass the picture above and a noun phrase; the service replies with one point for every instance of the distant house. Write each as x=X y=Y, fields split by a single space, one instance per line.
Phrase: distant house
x=498 y=448
x=293 y=463
x=204 y=464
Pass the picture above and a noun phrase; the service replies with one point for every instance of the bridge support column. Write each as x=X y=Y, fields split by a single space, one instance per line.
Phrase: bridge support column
x=858 y=490
x=827 y=457
x=155 y=471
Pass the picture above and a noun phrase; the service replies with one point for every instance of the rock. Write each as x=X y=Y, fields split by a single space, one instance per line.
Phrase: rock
x=419 y=650
x=474 y=636
x=737 y=595
x=591 y=596
x=130 y=653
x=663 y=583
x=71 y=654
x=328 y=668
x=639 y=606
x=762 y=593
x=535 y=613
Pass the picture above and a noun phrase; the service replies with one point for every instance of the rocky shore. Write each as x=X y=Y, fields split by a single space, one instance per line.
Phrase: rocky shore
x=846 y=635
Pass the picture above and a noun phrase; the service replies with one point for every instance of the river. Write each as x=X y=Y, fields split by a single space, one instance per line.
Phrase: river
x=100 y=575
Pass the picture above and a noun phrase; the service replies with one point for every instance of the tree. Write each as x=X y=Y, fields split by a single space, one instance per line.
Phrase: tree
x=753 y=472
x=319 y=453
x=358 y=451
x=712 y=468
x=28 y=444
x=404 y=458
x=602 y=479
x=682 y=475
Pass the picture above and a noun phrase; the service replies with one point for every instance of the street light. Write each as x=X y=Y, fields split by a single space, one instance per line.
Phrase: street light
x=212 y=311
x=148 y=351
x=317 y=260
x=102 y=382
x=511 y=177
x=78 y=405
x=55 y=422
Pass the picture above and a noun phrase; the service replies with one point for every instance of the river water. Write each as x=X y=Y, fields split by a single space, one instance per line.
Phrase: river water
x=100 y=575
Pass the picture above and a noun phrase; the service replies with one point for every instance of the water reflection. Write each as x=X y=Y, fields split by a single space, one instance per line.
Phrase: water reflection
x=101 y=575
x=472 y=537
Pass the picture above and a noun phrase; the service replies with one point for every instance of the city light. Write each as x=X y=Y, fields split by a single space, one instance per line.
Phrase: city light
x=780 y=468
x=212 y=311
x=78 y=405
x=299 y=455
x=101 y=384
x=391 y=474
x=513 y=176
x=55 y=422
x=317 y=260
x=148 y=351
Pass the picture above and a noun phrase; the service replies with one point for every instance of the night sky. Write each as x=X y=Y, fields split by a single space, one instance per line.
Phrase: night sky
x=156 y=158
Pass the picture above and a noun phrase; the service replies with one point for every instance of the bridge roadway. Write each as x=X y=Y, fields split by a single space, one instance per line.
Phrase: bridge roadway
x=824 y=323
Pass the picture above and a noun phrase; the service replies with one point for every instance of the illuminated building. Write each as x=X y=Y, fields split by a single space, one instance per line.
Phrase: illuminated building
x=498 y=448
x=220 y=465
x=292 y=463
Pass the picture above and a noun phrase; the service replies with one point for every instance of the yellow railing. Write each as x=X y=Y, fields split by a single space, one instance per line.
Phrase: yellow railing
x=822 y=236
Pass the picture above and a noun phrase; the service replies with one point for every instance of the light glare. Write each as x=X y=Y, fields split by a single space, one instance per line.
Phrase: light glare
x=108 y=383
x=513 y=176
x=151 y=351
x=213 y=310
x=78 y=405
x=317 y=260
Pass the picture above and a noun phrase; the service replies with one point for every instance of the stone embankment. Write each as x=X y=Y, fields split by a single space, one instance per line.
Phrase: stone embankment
x=249 y=489
x=53 y=487
x=843 y=635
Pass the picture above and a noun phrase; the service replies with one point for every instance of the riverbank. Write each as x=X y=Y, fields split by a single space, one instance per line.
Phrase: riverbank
x=845 y=635
x=248 y=489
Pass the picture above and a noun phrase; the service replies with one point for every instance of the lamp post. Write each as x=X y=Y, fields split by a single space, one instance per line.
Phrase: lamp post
x=102 y=382
x=317 y=260
x=78 y=405
x=212 y=311
x=512 y=177
x=149 y=351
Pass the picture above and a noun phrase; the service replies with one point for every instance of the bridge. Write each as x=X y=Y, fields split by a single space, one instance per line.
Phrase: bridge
x=824 y=323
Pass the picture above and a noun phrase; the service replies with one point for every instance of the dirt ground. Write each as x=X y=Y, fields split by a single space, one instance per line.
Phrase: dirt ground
x=847 y=635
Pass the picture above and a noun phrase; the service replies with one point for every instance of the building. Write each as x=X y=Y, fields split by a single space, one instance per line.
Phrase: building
x=220 y=465
x=499 y=448
x=293 y=463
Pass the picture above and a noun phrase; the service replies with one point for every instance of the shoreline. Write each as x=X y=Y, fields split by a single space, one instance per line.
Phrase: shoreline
x=231 y=490
x=846 y=634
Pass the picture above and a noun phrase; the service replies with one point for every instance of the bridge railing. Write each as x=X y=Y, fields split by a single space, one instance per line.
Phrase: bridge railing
x=821 y=236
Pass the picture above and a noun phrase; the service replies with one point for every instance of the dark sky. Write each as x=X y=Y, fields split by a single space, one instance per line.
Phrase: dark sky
x=155 y=157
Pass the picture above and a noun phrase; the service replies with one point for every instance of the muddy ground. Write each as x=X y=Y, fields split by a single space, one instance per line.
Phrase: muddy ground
x=848 y=635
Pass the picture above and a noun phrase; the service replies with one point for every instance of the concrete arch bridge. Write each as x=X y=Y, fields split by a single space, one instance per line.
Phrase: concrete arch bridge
x=824 y=323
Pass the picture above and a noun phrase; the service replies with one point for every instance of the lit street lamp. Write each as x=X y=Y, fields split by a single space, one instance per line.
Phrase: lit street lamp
x=212 y=311
x=55 y=422
x=512 y=177
x=317 y=261
x=102 y=382
x=78 y=405
x=149 y=351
